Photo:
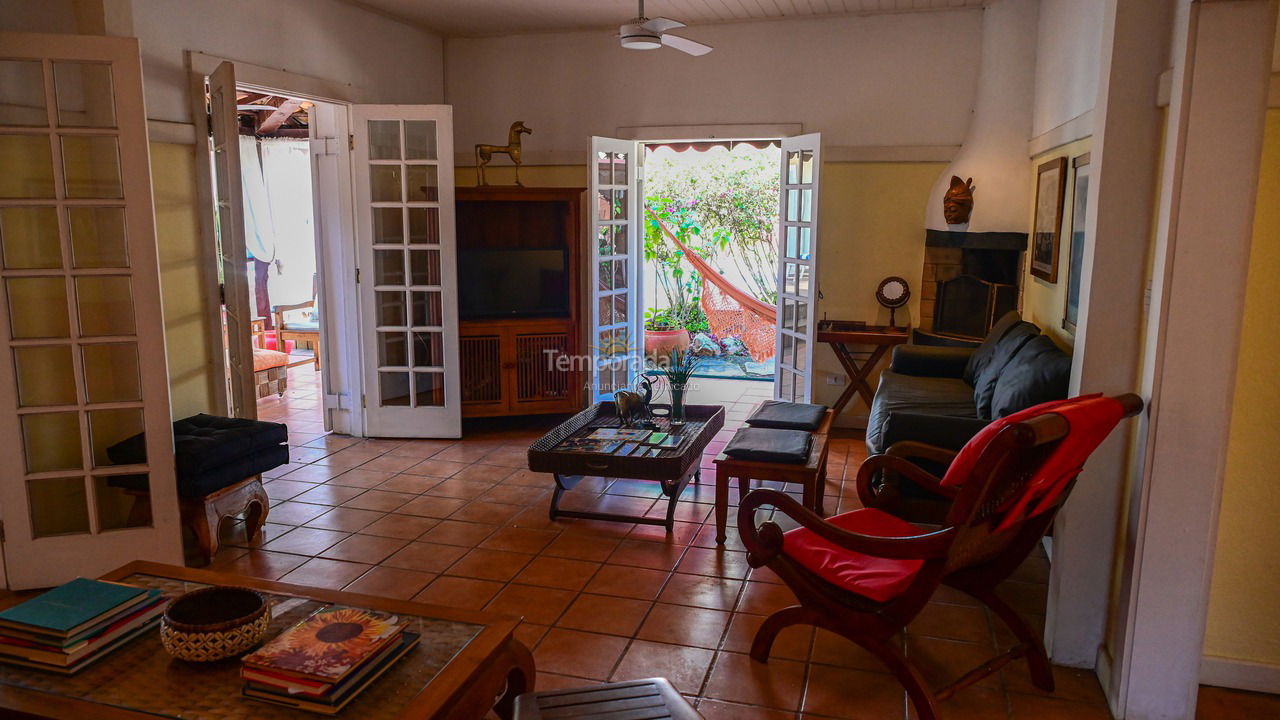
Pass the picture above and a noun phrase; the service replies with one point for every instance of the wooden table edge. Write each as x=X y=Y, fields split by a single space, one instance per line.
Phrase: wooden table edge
x=464 y=672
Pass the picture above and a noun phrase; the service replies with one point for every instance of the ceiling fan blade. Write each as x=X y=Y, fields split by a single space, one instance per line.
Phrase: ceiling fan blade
x=686 y=45
x=661 y=25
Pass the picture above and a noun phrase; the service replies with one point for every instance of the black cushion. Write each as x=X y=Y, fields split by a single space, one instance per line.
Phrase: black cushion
x=982 y=355
x=900 y=393
x=214 y=479
x=204 y=442
x=769 y=445
x=1040 y=372
x=930 y=360
x=984 y=385
x=787 y=415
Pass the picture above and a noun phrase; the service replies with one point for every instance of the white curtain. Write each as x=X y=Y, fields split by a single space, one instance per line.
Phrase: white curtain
x=286 y=169
x=259 y=229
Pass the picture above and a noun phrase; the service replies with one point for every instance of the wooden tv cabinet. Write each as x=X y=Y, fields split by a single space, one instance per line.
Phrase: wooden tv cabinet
x=509 y=363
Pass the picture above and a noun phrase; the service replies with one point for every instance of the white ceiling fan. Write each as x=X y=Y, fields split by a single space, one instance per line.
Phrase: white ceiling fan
x=645 y=34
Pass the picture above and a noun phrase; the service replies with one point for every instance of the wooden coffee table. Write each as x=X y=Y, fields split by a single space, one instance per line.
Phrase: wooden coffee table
x=672 y=469
x=464 y=661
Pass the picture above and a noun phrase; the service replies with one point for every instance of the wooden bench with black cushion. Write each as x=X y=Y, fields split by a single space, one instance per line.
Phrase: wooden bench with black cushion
x=219 y=463
x=811 y=475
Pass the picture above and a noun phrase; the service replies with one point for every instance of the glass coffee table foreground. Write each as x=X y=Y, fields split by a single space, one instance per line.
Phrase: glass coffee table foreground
x=672 y=468
x=464 y=660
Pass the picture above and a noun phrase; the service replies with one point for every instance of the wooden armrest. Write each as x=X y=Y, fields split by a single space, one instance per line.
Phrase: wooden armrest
x=925 y=451
x=911 y=471
x=277 y=309
x=925 y=546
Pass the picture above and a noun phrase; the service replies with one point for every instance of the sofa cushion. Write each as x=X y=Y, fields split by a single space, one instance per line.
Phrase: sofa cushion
x=880 y=579
x=1040 y=372
x=915 y=394
x=984 y=385
x=982 y=354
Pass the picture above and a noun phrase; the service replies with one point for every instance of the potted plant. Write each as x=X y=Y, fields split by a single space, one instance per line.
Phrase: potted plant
x=663 y=333
x=678 y=367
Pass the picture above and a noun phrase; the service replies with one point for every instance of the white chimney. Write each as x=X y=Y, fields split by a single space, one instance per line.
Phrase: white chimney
x=994 y=152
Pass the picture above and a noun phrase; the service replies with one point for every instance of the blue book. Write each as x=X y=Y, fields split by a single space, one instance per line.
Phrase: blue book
x=70 y=608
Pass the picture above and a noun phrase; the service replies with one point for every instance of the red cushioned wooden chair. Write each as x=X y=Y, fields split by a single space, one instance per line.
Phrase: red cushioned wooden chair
x=866 y=574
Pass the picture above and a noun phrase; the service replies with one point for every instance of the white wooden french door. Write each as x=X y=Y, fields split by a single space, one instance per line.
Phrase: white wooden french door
x=407 y=272
x=617 y=220
x=797 y=267
x=83 y=364
x=228 y=197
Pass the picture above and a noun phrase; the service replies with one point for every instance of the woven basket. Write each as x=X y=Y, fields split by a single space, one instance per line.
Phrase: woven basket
x=214 y=623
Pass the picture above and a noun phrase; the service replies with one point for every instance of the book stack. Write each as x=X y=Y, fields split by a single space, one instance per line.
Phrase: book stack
x=68 y=628
x=326 y=660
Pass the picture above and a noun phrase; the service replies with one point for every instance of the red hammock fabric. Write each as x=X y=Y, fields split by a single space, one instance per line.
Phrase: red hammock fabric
x=730 y=310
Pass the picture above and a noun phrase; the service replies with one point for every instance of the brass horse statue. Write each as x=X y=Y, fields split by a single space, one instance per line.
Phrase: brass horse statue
x=512 y=150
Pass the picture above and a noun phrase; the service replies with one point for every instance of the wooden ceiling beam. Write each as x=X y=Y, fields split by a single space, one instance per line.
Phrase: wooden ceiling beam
x=272 y=122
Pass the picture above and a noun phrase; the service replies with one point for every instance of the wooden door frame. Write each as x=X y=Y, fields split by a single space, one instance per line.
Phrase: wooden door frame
x=1221 y=73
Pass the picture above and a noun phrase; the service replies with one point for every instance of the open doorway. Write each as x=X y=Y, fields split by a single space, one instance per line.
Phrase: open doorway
x=282 y=272
x=710 y=249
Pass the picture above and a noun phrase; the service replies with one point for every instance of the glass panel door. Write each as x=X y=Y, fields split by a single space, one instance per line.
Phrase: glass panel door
x=84 y=403
x=615 y=260
x=797 y=267
x=237 y=318
x=403 y=166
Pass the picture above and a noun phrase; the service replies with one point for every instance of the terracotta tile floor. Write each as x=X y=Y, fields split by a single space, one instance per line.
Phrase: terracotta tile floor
x=465 y=524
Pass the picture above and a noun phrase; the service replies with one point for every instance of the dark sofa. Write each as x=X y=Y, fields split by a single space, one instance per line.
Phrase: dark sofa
x=943 y=396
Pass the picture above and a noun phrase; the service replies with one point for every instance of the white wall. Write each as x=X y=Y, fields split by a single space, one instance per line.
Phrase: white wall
x=1068 y=48
x=905 y=79
x=391 y=61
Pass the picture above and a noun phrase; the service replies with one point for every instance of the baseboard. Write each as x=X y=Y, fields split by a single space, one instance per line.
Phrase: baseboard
x=1239 y=674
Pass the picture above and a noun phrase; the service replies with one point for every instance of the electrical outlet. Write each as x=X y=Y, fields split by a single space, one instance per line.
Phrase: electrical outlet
x=835 y=379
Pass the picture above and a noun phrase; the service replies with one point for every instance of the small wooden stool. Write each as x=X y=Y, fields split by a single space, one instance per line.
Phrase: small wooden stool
x=205 y=514
x=652 y=698
x=811 y=475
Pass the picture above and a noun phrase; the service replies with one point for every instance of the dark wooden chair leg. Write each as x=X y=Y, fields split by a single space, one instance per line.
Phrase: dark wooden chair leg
x=905 y=672
x=774 y=624
x=1032 y=644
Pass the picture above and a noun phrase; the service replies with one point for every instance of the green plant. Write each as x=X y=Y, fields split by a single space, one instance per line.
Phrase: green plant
x=679 y=367
x=660 y=319
x=681 y=288
x=726 y=211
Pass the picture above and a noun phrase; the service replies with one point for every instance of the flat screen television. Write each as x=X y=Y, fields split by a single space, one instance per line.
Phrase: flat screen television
x=512 y=282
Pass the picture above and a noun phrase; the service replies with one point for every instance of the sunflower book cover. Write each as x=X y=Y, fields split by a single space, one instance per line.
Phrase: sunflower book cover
x=327 y=645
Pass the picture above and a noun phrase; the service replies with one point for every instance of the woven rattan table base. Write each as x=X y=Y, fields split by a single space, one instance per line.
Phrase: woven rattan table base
x=141 y=676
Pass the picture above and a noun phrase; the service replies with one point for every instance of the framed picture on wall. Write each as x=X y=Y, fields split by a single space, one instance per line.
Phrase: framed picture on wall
x=1047 y=230
x=1075 y=254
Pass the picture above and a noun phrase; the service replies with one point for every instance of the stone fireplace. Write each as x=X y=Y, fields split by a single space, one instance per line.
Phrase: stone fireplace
x=970 y=279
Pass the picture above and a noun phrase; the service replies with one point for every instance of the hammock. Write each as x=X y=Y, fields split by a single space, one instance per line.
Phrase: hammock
x=730 y=310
